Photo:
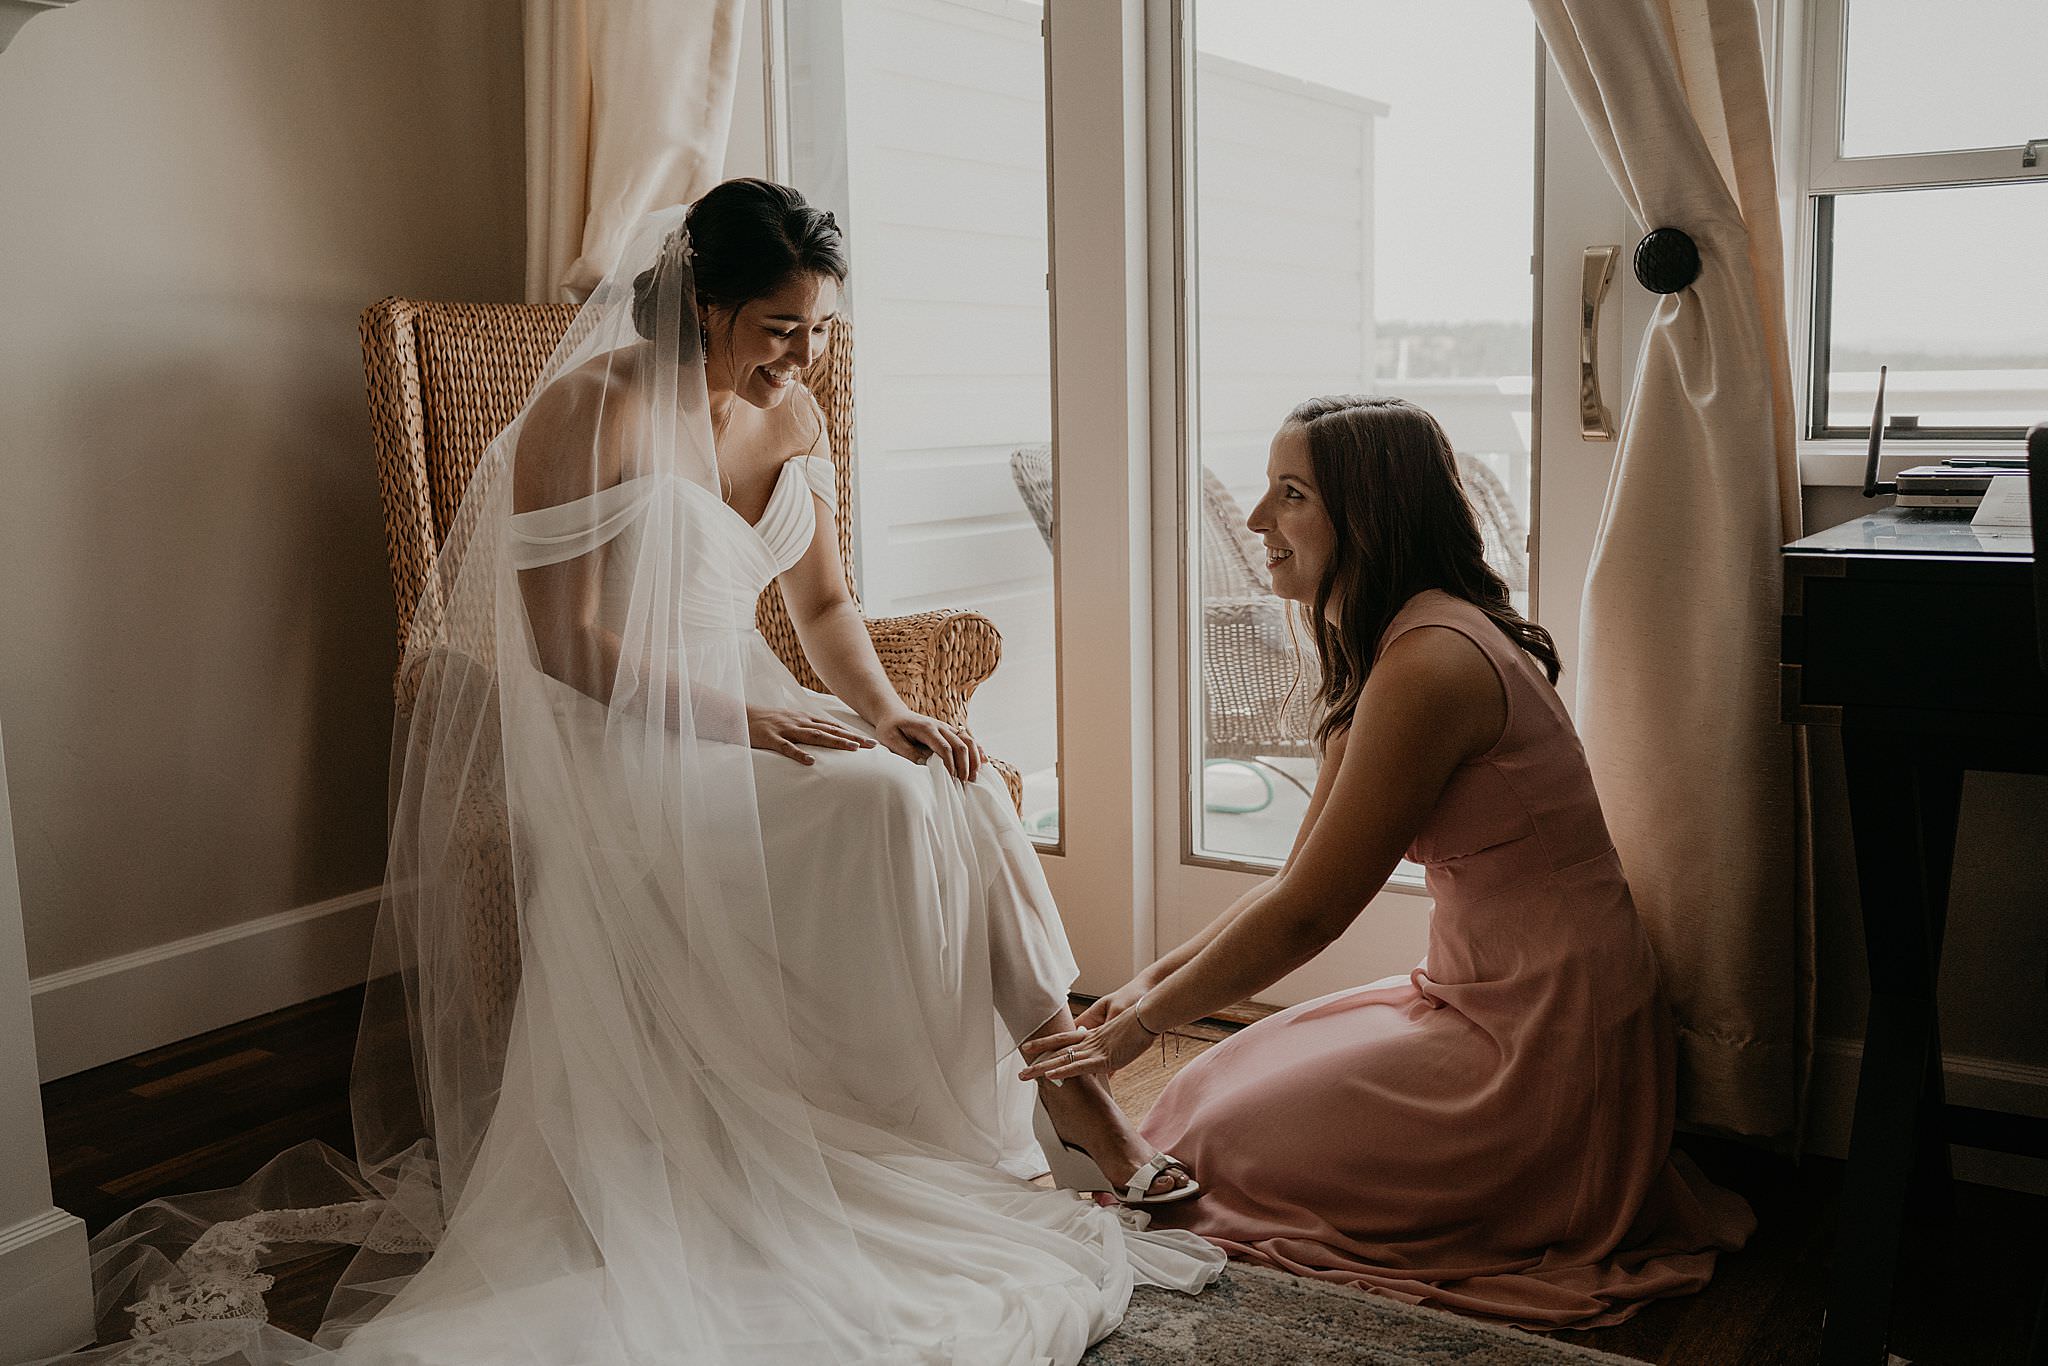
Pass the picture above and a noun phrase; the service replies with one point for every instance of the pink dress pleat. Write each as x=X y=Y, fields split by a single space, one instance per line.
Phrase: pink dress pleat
x=1492 y=1132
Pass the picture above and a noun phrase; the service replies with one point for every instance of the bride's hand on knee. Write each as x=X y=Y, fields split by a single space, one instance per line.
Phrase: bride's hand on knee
x=783 y=731
x=917 y=738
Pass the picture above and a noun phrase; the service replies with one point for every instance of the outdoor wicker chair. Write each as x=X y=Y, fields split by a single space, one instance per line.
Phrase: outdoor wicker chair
x=1503 y=533
x=1256 y=685
x=1259 y=675
x=444 y=379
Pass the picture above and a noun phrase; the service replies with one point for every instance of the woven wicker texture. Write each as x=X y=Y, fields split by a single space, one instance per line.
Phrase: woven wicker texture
x=1259 y=674
x=1501 y=529
x=443 y=380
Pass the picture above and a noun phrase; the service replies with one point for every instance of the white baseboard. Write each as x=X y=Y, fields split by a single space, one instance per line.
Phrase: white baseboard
x=45 y=1287
x=119 y=1007
x=1987 y=1083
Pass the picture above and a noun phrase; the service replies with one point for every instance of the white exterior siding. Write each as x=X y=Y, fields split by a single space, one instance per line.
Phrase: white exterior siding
x=945 y=186
x=1283 y=195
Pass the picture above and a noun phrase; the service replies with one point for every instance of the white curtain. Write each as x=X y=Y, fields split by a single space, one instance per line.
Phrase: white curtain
x=628 y=103
x=1703 y=787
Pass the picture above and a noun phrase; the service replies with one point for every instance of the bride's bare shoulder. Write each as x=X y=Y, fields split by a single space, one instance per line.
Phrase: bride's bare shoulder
x=580 y=394
x=563 y=451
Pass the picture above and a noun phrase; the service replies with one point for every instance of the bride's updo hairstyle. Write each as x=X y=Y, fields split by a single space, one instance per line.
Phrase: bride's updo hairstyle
x=747 y=238
x=1389 y=480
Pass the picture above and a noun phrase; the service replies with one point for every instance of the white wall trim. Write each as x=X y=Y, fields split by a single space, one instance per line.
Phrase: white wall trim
x=45 y=1274
x=1987 y=1083
x=47 y=1300
x=117 y=1007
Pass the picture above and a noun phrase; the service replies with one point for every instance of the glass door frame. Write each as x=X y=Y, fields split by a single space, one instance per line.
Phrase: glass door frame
x=1101 y=874
x=1574 y=206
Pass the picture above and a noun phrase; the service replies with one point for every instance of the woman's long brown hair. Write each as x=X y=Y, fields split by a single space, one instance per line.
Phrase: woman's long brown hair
x=1389 y=481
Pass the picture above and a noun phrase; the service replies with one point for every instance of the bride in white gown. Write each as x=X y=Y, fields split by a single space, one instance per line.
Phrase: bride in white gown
x=758 y=1101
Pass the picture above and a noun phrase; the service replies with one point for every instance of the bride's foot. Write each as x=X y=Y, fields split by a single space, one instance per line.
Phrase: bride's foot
x=1084 y=1116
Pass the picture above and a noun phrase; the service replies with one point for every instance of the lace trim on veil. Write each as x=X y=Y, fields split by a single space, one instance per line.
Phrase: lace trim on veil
x=218 y=1279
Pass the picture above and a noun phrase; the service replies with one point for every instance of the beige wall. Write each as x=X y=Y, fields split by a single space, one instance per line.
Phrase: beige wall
x=196 y=200
x=1994 y=1002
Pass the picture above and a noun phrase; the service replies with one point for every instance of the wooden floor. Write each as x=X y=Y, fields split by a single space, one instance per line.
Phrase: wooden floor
x=205 y=1113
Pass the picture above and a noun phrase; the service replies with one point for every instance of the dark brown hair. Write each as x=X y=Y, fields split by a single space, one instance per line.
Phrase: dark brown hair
x=747 y=238
x=1389 y=481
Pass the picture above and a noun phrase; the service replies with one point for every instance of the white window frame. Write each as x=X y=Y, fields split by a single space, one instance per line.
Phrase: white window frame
x=1813 y=37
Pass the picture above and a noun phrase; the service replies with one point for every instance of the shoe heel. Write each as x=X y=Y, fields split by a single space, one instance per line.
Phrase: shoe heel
x=1072 y=1168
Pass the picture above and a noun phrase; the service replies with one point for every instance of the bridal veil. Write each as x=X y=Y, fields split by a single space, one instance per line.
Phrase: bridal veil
x=633 y=1165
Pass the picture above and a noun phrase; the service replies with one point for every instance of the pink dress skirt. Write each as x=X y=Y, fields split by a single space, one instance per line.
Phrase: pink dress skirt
x=1492 y=1132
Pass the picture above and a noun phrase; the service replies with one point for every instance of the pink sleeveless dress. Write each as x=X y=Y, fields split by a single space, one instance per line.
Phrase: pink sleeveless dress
x=1492 y=1132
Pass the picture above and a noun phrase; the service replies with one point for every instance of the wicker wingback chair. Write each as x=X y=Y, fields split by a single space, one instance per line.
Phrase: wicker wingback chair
x=444 y=379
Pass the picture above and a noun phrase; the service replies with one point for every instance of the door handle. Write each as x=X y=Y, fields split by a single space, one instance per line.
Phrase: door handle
x=1597 y=272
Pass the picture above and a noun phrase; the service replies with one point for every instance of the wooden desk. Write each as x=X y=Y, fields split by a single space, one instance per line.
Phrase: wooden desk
x=1914 y=635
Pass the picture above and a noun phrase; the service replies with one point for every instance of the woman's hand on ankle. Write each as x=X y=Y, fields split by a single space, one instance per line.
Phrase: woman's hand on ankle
x=1107 y=1008
x=1082 y=1052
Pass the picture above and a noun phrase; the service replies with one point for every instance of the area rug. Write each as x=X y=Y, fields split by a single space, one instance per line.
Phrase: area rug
x=1258 y=1317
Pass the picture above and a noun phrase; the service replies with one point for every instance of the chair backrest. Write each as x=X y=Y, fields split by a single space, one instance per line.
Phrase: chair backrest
x=1233 y=559
x=1503 y=535
x=1031 y=471
x=446 y=378
x=1233 y=564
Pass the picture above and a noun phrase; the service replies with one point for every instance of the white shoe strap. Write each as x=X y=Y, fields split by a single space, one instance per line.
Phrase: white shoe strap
x=1142 y=1179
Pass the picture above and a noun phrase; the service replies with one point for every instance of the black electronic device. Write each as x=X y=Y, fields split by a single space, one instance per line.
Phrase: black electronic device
x=1871 y=488
x=2037 y=507
x=1957 y=483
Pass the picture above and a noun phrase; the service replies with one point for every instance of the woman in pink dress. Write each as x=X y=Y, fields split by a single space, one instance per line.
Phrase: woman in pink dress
x=1491 y=1132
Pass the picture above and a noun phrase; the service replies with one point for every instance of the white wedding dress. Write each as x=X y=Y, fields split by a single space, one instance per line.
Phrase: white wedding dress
x=917 y=943
x=756 y=1102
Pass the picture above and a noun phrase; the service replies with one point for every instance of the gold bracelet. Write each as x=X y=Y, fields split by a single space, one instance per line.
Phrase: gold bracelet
x=1135 y=1005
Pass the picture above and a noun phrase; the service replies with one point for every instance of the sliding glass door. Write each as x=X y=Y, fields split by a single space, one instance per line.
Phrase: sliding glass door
x=1363 y=193
x=1101 y=248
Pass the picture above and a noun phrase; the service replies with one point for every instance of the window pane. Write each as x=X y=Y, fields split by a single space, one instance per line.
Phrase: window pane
x=1945 y=287
x=1961 y=74
x=922 y=124
x=1364 y=183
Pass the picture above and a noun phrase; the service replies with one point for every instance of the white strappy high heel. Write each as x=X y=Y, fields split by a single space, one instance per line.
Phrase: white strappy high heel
x=1073 y=1169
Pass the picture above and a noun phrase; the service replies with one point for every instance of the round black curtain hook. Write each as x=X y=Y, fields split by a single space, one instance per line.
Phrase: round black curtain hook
x=1666 y=260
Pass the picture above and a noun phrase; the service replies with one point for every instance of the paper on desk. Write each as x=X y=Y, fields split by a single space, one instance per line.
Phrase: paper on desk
x=2005 y=503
